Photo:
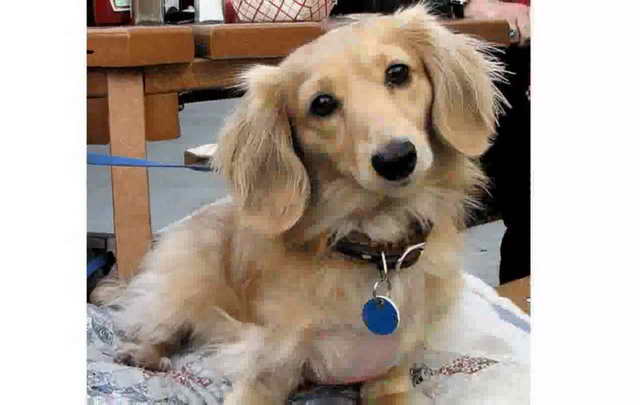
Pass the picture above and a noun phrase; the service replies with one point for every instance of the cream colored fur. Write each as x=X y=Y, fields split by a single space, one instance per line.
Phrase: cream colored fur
x=256 y=278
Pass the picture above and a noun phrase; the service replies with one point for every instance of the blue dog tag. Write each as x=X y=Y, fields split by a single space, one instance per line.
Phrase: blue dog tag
x=381 y=315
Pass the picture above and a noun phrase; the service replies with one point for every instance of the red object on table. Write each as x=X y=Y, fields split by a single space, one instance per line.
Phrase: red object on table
x=111 y=12
x=229 y=13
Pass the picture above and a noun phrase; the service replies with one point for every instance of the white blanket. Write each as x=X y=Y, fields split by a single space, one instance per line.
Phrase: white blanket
x=480 y=355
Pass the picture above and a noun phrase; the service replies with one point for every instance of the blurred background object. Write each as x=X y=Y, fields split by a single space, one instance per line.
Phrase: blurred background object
x=180 y=11
x=147 y=12
x=108 y=12
x=442 y=7
x=253 y=11
x=209 y=10
x=150 y=12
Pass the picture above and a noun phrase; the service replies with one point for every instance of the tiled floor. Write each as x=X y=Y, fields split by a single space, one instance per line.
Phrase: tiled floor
x=177 y=192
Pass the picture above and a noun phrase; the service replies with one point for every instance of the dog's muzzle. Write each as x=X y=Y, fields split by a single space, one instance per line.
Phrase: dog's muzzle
x=395 y=161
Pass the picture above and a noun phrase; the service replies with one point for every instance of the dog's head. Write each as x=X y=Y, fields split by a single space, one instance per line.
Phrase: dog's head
x=365 y=101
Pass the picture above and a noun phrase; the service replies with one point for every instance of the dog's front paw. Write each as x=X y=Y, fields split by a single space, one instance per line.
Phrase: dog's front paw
x=145 y=356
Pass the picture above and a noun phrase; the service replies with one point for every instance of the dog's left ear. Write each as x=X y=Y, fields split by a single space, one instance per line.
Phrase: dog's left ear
x=256 y=154
x=466 y=101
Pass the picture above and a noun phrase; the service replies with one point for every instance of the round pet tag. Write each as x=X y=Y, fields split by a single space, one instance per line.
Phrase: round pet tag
x=381 y=315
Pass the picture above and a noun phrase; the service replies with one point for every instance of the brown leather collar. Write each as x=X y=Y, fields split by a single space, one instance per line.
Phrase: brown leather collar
x=359 y=246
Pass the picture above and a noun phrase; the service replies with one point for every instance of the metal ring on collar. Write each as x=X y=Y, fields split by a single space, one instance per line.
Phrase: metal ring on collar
x=406 y=252
x=384 y=276
x=377 y=283
x=384 y=271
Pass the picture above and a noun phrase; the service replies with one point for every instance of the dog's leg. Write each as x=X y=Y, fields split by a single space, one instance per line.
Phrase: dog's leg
x=392 y=389
x=180 y=293
x=153 y=357
x=271 y=388
x=264 y=364
x=153 y=344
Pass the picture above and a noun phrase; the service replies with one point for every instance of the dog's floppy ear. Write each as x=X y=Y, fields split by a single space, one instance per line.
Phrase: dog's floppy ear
x=256 y=155
x=466 y=101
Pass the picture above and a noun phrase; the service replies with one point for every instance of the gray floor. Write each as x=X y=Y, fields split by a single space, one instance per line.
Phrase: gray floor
x=177 y=192
x=482 y=251
x=174 y=192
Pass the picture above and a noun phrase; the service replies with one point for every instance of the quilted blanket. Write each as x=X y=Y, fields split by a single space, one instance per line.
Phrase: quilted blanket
x=478 y=356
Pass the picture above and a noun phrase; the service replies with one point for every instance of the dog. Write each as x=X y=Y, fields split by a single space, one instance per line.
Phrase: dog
x=360 y=143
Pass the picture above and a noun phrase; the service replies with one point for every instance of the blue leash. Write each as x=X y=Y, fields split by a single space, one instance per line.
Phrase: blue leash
x=96 y=159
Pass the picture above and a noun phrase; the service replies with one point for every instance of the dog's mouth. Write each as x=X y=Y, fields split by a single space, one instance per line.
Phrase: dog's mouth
x=359 y=246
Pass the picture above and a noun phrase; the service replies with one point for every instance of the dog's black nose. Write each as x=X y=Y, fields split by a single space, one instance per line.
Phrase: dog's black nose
x=396 y=161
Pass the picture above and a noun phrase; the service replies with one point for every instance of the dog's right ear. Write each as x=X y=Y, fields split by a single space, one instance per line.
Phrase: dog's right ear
x=256 y=154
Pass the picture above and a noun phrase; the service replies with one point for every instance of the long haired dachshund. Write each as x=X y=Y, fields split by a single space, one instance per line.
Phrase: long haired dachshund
x=359 y=143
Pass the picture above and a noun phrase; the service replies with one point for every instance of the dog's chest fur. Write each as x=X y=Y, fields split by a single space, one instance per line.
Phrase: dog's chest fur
x=348 y=355
x=326 y=303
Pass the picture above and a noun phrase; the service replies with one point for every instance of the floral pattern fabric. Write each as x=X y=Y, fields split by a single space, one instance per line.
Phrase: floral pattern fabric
x=449 y=373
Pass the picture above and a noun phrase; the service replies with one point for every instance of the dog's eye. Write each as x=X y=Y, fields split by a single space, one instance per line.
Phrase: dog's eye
x=323 y=105
x=397 y=74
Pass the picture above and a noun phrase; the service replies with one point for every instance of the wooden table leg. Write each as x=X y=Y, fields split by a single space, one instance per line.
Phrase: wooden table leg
x=131 y=215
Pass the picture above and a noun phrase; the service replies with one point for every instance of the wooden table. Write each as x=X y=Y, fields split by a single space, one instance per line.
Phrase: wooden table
x=135 y=75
